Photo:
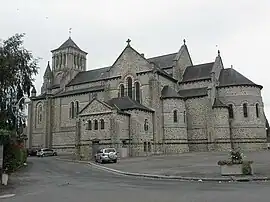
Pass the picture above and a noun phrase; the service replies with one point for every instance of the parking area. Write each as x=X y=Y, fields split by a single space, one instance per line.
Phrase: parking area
x=201 y=164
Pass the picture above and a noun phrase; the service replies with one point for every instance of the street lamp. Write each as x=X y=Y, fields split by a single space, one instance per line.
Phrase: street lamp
x=17 y=115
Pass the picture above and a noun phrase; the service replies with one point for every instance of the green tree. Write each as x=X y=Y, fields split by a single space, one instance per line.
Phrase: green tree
x=17 y=70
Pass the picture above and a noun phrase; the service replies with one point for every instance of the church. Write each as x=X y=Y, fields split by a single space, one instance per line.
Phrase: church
x=143 y=106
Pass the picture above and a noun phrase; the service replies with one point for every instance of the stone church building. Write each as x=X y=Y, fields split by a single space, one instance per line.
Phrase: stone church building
x=163 y=104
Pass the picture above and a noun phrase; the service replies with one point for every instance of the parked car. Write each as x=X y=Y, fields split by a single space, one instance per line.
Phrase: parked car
x=32 y=151
x=106 y=155
x=46 y=152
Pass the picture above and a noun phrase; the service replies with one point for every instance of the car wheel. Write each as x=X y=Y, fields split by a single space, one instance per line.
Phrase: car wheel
x=115 y=161
x=42 y=155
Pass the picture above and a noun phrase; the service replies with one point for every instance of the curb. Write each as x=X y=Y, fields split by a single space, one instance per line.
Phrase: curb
x=171 y=177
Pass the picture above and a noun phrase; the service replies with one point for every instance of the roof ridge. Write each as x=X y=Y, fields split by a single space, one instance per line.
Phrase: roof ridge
x=162 y=55
x=207 y=63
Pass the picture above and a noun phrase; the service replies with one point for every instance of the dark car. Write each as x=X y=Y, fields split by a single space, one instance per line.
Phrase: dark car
x=32 y=151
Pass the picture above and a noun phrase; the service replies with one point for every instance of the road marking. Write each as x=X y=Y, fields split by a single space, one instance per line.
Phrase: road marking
x=7 y=196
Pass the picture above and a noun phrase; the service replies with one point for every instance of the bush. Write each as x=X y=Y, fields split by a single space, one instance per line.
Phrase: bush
x=15 y=156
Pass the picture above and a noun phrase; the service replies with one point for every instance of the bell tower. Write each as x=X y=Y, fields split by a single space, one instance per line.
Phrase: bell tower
x=68 y=56
x=67 y=61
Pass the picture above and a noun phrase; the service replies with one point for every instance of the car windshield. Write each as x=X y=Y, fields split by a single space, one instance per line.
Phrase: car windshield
x=109 y=150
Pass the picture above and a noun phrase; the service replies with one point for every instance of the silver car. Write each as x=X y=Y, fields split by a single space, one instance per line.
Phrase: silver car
x=106 y=155
x=46 y=152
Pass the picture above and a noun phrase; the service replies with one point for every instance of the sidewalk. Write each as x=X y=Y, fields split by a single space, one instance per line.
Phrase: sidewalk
x=191 y=165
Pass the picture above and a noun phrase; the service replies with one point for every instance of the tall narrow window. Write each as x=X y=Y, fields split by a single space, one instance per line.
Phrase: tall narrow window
x=77 y=109
x=257 y=110
x=145 y=146
x=149 y=146
x=122 y=90
x=89 y=125
x=65 y=59
x=74 y=59
x=78 y=60
x=137 y=92
x=71 y=110
x=102 y=124
x=146 y=125
x=245 y=110
x=230 y=111
x=175 y=118
x=39 y=114
x=96 y=125
x=129 y=88
x=184 y=116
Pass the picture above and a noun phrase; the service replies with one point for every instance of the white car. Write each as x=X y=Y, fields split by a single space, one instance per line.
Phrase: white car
x=46 y=152
x=106 y=155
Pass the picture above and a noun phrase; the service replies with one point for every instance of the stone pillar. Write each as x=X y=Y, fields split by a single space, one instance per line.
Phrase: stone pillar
x=78 y=139
x=30 y=125
x=49 y=124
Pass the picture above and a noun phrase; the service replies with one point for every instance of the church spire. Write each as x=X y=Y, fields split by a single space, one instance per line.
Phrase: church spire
x=48 y=71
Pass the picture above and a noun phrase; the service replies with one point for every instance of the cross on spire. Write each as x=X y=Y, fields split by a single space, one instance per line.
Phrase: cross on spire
x=184 y=41
x=128 y=42
x=69 y=31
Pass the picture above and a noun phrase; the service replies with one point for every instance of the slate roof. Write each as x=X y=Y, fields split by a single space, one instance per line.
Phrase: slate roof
x=80 y=91
x=163 y=61
x=102 y=73
x=126 y=103
x=48 y=71
x=231 y=77
x=218 y=103
x=67 y=44
x=168 y=92
x=194 y=92
x=91 y=75
x=198 y=72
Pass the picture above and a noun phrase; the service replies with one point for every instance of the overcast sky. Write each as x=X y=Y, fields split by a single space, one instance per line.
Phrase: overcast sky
x=239 y=28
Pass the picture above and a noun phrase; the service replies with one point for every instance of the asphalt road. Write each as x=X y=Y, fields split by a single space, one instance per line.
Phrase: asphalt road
x=49 y=180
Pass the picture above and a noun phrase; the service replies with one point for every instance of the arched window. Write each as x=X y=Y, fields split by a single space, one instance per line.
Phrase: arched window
x=39 y=113
x=77 y=108
x=257 y=110
x=65 y=59
x=230 y=111
x=102 y=124
x=146 y=125
x=89 y=125
x=96 y=125
x=245 y=110
x=175 y=118
x=122 y=90
x=184 y=116
x=78 y=60
x=137 y=92
x=71 y=110
x=129 y=87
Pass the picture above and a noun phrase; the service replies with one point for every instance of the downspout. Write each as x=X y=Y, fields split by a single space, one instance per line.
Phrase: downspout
x=163 y=128
x=129 y=134
x=231 y=137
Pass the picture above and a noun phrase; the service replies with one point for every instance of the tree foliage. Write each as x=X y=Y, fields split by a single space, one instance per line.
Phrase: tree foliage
x=17 y=70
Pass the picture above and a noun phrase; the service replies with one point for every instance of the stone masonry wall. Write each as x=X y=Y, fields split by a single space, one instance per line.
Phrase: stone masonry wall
x=140 y=136
x=38 y=128
x=197 y=113
x=219 y=137
x=247 y=132
x=175 y=133
x=198 y=84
